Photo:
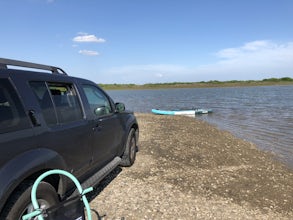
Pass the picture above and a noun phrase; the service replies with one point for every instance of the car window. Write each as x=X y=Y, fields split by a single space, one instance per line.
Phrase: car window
x=12 y=114
x=59 y=102
x=98 y=101
x=43 y=95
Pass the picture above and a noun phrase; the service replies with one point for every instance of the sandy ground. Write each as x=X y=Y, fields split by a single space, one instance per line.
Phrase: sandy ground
x=188 y=169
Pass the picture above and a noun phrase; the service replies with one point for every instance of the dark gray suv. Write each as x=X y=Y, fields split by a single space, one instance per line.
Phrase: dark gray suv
x=49 y=120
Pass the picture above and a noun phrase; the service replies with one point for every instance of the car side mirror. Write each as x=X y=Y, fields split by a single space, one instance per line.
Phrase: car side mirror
x=101 y=110
x=119 y=107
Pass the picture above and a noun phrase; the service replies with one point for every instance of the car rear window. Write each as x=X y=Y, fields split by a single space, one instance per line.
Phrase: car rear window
x=12 y=114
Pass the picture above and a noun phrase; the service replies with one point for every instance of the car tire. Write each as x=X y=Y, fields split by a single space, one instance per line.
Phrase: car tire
x=129 y=155
x=20 y=202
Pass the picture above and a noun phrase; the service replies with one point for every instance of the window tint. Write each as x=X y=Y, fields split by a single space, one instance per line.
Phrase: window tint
x=58 y=99
x=97 y=100
x=66 y=102
x=43 y=95
x=12 y=114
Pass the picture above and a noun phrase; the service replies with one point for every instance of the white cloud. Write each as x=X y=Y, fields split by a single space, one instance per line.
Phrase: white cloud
x=251 y=61
x=266 y=49
x=254 y=60
x=257 y=45
x=159 y=75
x=141 y=74
x=88 y=52
x=150 y=68
x=257 y=56
x=88 y=38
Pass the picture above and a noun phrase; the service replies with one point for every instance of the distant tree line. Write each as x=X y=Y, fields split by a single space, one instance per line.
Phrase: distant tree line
x=211 y=83
x=286 y=79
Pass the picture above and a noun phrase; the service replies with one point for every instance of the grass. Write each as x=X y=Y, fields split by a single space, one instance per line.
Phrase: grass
x=202 y=84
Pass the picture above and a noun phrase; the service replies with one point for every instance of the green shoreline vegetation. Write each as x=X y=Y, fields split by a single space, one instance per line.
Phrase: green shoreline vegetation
x=202 y=84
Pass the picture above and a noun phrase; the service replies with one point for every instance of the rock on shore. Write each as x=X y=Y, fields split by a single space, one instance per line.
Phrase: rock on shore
x=188 y=169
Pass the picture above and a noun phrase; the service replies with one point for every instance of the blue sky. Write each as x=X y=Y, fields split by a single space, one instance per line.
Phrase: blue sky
x=152 y=41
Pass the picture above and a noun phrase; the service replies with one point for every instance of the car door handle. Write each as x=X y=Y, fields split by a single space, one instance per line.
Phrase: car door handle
x=34 y=119
x=98 y=126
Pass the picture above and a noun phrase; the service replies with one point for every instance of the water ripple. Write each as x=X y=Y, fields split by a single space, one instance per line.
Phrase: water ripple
x=262 y=115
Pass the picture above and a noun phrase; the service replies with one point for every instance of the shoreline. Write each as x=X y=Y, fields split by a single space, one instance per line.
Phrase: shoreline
x=188 y=169
x=215 y=84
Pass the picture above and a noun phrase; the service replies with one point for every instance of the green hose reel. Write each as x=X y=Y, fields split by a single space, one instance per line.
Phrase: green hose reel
x=60 y=209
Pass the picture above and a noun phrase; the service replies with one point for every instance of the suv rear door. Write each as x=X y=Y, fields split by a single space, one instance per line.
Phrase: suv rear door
x=67 y=133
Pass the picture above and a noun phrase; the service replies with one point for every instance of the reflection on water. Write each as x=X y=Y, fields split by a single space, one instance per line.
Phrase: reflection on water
x=262 y=115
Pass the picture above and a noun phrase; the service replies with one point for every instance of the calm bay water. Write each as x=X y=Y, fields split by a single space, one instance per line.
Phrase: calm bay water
x=262 y=115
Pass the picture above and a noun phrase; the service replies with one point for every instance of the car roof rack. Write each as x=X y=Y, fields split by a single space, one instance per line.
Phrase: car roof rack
x=5 y=62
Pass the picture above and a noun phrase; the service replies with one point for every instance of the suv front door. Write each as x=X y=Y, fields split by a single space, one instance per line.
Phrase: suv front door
x=106 y=126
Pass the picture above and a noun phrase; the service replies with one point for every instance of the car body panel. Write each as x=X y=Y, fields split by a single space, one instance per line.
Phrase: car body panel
x=80 y=147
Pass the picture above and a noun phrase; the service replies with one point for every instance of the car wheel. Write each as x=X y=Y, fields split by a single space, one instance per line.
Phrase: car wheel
x=20 y=202
x=129 y=155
